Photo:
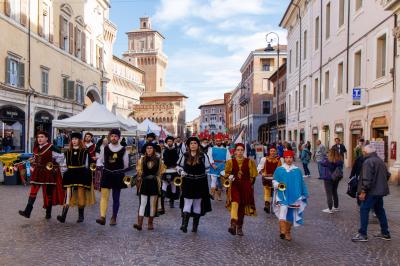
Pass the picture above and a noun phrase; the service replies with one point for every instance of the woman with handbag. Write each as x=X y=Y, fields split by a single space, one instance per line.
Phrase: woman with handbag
x=332 y=173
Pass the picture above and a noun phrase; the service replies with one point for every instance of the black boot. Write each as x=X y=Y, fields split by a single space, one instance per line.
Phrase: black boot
x=196 y=220
x=81 y=217
x=48 y=212
x=185 y=221
x=162 y=211
x=61 y=218
x=28 y=209
x=171 y=203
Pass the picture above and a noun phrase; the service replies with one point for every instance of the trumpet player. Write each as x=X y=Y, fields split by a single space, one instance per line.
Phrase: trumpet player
x=77 y=180
x=242 y=173
x=195 y=196
x=150 y=167
x=115 y=159
x=266 y=168
x=290 y=197
x=220 y=155
x=45 y=174
x=170 y=156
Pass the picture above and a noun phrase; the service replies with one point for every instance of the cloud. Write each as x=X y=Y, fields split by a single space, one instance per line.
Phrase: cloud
x=194 y=32
x=173 y=10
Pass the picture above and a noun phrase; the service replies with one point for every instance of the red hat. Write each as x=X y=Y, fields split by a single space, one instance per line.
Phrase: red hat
x=240 y=145
x=218 y=136
x=288 y=153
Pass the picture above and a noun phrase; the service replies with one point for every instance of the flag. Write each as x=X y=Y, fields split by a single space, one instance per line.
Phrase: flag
x=148 y=130
x=162 y=134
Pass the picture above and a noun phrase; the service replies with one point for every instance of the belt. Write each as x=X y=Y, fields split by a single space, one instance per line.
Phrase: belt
x=73 y=167
x=149 y=177
x=219 y=161
x=195 y=176
x=117 y=170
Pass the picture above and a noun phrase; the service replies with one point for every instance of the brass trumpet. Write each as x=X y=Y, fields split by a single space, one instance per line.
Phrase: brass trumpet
x=227 y=183
x=92 y=167
x=130 y=181
x=281 y=187
x=178 y=181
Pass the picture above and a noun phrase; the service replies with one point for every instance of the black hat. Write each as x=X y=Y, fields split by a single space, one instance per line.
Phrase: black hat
x=192 y=139
x=151 y=135
x=41 y=132
x=154 y=145
x=169 y=138
x=77 y=135
x=88 y=133
x=115 y=131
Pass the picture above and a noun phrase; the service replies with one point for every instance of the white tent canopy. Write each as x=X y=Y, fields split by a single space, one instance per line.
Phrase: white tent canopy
x=147 y=124
x=95 y=116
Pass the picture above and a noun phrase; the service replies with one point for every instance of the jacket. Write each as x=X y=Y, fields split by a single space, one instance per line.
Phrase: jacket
x=305 y=156
x=374 y=176
x=327 y=168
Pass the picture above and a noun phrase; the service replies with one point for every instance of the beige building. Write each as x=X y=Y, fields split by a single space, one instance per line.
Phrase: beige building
x=193 y=127
x=338 y=47
x=212 y=116
x=54 y=62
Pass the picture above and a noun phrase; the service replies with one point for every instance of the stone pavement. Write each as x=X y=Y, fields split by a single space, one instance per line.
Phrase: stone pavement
x=323 y=240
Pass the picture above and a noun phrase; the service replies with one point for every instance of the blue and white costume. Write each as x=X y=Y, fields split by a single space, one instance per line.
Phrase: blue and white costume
x=219 y=155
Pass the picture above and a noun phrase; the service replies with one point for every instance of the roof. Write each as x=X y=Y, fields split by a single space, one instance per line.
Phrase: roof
x=122 y=61
x=127 y=84
x=163 y=94
x=282 y=47
x=213 y=102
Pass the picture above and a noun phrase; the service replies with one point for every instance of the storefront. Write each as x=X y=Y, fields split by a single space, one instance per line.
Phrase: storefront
x=12 y=129
x=380 y=133
x=339 y=132
x=43 y=121
x=356 y=132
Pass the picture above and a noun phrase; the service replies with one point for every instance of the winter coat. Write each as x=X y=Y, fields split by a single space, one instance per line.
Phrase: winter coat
x=305 y=156
x=328 y=167
x=374 y=176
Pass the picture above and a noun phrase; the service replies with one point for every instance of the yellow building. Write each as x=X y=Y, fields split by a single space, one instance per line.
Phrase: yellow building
x=54 y=62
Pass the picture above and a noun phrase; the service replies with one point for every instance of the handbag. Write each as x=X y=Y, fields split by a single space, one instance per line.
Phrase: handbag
x=352 y=187
x=337 y=174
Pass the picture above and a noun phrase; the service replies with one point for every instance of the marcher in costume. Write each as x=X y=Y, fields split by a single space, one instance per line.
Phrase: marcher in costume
x=115 y=159
x=49 y=178
x=77 y=180
x=170 y=157
x=242 y=173
x=195 y=196
x=99 y=165
x=220 y=156
x=180 y=146
x=290 y=196
x=151 y=138
x=266 y=168
x=149 y=170
x=90 y=146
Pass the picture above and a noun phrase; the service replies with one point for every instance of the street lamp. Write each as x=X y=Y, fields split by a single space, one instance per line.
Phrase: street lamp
x=270 y=49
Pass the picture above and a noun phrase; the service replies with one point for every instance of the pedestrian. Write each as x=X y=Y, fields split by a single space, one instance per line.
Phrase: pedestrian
x=280 y=149
x=319 y=154
x=358 y=149
x=300 y=147
x=8 y=142
x=340 y=147
x=242 y=173
x=149 y=169
x=372 y=187
x=331 y=168
x=290 y=196
x=305 y=160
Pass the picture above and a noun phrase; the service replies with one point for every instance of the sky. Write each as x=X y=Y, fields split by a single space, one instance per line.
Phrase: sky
x=206 y=41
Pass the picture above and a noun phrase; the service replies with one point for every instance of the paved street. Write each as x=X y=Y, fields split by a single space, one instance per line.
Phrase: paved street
x=325 y=238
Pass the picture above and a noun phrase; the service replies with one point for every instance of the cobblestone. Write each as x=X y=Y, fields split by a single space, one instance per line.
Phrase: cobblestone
x=324 y=239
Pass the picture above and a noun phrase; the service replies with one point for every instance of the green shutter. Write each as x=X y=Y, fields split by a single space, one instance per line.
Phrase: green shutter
x=21 y=75
x=71 y=85
x=65 y=91
x=8 y=70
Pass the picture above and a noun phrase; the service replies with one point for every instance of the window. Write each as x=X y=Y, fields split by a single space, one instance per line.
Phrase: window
x=45 y=81
x=266 y=107
x=305 y=45
x=80 y=94
x=64 y=34
x=341 y=13
x=381 y=57
x=304 y=96
x=266 y=67
x=340 y=78
x=297 y=53
x=326 y=85
x=296 y=101
x=46 y=21
x=316 y=90
x=78 y=43
x=359 y=4
x=15 y=8
x=15 y=72
x=357 y=69
x=328 y=21
x=68 y=88
x=316 y=40
x=290 y=103
x=290 y=61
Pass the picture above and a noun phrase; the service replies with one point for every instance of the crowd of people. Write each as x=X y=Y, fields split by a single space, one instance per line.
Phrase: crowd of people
x=196 y=171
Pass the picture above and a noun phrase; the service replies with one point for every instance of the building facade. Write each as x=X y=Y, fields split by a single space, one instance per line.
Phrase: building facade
x=54 y=58
x=212 y=116
x=340 y=46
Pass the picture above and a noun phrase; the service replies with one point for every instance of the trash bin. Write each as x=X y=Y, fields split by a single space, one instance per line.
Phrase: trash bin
x=10 y=175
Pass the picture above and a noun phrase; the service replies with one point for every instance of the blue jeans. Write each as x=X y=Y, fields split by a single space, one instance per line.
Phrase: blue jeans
x=319 y=169
x=375 y=203
x=306 y=170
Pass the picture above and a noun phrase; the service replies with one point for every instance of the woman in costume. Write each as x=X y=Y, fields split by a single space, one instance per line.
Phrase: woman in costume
x=195 y=197
x=149 y=170
x=242 y=173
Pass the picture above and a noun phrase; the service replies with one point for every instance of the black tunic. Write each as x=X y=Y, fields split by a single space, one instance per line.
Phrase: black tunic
x=113 y=173
x=150 y=184
x=77 y=175
x=170 y=158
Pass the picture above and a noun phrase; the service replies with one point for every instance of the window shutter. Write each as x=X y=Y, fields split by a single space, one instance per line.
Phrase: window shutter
x=71 y=85
x=62 y=33
x=76 y=41
x=8 y=70
x=82 y=95
x=7 y=8
x=83 y=52
x=65 y=92
x=71 y=38
x=23 y=12
x=51 y=31
x=40 y=19
x=21 y=75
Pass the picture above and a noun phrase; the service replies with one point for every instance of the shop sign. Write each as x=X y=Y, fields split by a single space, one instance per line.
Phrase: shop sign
x=339 y=128
x=357 y=124
x=11 y=113
x=356 y=96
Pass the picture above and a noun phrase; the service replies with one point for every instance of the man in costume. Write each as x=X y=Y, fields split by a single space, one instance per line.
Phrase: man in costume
x=170 y=156
x=90 y=146
x=180 y=146
x=195 y=197
x=242 y=173
x=77 y=180
x=115 y=159
x=149 y=168
x=290 y=196
x=46 y=174
x=220 y=155
x=266 y=168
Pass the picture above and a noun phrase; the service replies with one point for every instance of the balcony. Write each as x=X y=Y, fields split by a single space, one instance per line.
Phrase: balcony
x=281 y=117
x=244 y=99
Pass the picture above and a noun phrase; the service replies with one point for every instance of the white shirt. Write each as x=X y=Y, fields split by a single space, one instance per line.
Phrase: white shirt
x=114 y=148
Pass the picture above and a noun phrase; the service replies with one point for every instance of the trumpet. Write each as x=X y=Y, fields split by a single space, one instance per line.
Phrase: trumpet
x=178 y=181
x=130 y=181
x=281 y=187
x=92 y=167
x=227 y=183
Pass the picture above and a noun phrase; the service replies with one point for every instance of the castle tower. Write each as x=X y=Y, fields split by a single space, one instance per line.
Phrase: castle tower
x=145 y=47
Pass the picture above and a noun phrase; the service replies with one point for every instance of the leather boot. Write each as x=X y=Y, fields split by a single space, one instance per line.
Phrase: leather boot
x=240 y=225
x=267 y=207
x=185 y=221
x=288 y=236
x=48 y=212
x=61 y=218
x=196 y=221
x=139 y=224
x=282 y=229
x=101 y=221
x=150 y=225
x=232 y=229
x=219 y=193
x=113 y=221
x=28 y=209
x=81 y=217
